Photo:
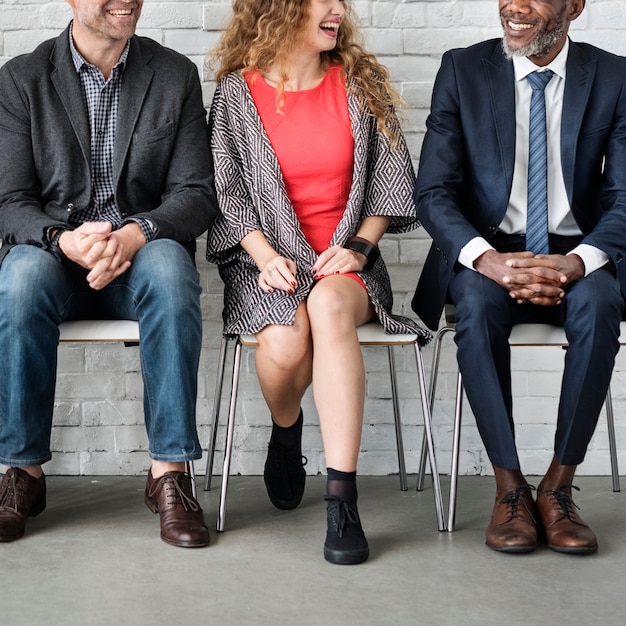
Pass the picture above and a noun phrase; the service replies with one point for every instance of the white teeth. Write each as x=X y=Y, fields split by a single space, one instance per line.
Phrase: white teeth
x=121 y=12
x=331 y=25
x=514 y=26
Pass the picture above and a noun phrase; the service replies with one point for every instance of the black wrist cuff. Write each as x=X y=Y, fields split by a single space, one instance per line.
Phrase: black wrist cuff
x=365 y=247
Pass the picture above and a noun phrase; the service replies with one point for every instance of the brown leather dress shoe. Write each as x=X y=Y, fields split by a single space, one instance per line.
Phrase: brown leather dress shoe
x=513 y=527
x=182 y=521
x=565 y=530
x=21 y=496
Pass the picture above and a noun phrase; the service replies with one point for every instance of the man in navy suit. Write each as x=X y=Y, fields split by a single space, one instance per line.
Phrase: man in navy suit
x=472 y=196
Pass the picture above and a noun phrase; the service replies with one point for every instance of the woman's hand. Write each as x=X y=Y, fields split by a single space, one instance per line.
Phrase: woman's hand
x=278 y=273
x=338 y=260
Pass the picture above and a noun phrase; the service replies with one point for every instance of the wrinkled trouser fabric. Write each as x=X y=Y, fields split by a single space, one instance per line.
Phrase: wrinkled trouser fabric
x=590 y=315
x=160 y=290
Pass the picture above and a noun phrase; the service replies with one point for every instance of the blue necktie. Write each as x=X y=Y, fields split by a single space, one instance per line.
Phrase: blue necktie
x=537 y=211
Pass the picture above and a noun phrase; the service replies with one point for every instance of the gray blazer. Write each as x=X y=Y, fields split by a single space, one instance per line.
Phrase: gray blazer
x=162 y=165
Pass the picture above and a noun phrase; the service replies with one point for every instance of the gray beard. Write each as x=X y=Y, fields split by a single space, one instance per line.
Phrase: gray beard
x=539 y=46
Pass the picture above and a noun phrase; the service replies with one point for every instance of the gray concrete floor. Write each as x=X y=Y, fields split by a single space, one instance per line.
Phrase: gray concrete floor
x=95 y=557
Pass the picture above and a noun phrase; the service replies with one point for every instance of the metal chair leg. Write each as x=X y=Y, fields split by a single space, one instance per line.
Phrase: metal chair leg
x=230 y=431
x=431 y=399
x=217 y=400
x=191 y=470
x=441 y=523
x=612 y=444
x=397 y=420
x=454 y=471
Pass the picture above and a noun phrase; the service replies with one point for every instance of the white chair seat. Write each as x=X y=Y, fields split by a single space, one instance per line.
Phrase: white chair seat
x=546 y=335
x=371 y=334
x=100 y=330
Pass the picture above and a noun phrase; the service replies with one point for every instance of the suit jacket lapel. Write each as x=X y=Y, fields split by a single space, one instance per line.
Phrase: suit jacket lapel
x=66 y=81
x=135 y=82
x=500 y=82
x=578 y=83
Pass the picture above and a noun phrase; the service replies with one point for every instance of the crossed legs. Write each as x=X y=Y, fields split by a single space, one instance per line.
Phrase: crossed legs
x=321 y=347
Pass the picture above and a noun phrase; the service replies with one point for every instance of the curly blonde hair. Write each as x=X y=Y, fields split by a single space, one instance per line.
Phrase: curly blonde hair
x=264 y=33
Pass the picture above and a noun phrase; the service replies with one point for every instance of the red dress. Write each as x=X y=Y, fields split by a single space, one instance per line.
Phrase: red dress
x=312 y=138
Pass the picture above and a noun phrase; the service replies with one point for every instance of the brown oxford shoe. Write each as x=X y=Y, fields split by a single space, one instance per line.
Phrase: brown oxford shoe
x=21 y=497
x=513 y=527
x=182 y=521
x=565 y=530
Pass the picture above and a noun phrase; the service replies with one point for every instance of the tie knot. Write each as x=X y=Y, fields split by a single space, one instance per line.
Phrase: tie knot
x=539 y=80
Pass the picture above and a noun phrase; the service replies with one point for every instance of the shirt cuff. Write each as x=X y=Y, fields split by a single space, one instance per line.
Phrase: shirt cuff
x=472 y=250
x=593 y=258
x=148 y=229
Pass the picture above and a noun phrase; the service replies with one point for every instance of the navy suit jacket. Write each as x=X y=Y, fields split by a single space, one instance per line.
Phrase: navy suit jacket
x=466 y=165
x=162 y=165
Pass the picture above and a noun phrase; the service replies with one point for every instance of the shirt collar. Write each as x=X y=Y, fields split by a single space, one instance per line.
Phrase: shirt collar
x=523 y=66
x=79 y=61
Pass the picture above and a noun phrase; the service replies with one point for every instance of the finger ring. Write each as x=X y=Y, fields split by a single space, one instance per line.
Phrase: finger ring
x=270 y=271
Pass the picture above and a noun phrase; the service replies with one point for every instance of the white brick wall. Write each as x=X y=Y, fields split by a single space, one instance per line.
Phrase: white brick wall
x=98 y=413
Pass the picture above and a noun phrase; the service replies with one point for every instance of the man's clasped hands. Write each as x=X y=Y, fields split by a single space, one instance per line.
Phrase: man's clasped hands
x=529 y=278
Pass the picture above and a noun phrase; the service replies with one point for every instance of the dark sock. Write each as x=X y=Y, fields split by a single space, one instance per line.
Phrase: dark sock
x=342 y=485
x=289 y=437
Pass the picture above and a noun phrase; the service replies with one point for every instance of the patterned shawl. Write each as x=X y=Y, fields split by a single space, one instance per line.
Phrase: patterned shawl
x=251 y=195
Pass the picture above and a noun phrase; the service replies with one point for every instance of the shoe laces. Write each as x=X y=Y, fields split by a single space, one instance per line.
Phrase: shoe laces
x=12 y=495
x=283 y=457
x=514 y=500
x=176 y=491
x=342 y=512
x=7 y=496
x=564 y=500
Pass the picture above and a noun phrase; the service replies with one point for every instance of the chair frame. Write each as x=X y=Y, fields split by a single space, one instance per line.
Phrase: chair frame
x=109 y=331
x=369 y=335
x=540 y=335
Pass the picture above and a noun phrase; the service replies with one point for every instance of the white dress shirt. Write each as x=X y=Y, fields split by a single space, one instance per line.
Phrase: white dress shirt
x=560 y=218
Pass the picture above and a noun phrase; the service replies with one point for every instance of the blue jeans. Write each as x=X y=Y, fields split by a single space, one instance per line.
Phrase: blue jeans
x=161 y=290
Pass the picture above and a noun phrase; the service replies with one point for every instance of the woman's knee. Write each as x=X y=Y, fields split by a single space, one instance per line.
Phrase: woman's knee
x=286 y=347
x=337 y=306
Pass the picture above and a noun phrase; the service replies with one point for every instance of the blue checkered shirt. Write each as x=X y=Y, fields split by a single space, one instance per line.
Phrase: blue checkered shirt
x=102 y=98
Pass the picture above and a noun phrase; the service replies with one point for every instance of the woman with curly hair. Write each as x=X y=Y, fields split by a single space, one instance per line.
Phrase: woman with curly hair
x=311 y=171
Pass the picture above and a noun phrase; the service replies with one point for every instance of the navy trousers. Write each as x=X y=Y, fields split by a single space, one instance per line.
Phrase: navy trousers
x=590 y=314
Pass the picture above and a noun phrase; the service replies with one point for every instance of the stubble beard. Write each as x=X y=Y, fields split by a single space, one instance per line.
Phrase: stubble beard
x=540 y=46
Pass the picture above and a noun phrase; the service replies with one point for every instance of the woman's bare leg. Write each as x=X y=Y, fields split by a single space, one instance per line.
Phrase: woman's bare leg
x=283 y=363
x=337 y=306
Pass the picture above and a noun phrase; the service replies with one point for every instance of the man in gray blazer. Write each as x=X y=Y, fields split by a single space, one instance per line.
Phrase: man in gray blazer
x=105 y=184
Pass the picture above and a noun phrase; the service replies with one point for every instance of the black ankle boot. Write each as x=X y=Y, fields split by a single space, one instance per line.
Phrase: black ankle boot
x=284 y=473
x=345 y=541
